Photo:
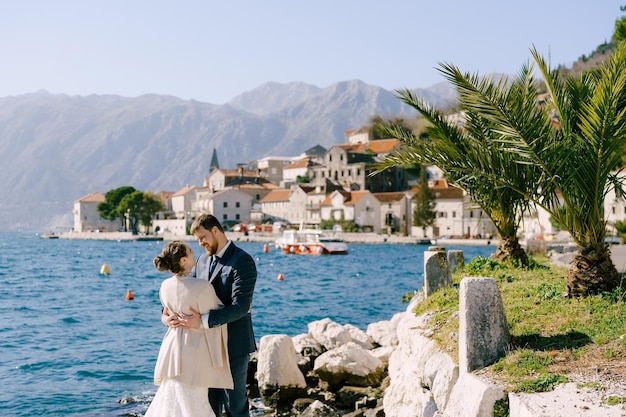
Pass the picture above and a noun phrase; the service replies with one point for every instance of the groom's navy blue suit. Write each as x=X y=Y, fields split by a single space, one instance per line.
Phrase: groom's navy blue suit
x=233 y=278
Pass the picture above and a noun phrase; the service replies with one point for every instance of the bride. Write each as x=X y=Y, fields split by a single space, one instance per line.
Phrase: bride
x=190 y=360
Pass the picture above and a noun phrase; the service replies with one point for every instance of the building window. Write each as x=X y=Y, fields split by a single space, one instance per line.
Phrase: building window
x=258 y=197
x=454 y=214
x=237 y=216
x=225 y=204
x=237 y=204
x=471 y=213
x=225 y=216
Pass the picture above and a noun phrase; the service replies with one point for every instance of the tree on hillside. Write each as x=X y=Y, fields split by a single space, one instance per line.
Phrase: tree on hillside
x=620 y=27
x=377 y=123
x=109 y=208
x=424 y=214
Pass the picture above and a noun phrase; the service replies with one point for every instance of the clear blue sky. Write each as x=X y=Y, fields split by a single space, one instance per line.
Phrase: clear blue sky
x=212 y=51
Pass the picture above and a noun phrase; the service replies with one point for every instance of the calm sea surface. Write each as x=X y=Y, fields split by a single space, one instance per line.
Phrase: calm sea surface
x=71 y=344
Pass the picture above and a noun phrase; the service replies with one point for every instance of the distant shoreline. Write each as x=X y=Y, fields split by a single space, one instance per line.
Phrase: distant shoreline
x=372 y=238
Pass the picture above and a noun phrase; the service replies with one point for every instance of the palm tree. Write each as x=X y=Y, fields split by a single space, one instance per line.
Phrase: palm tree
x=577 y=158
x=569 y=149
x=471 y=157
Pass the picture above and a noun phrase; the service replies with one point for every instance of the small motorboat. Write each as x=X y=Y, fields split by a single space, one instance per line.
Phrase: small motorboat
x=311 y=242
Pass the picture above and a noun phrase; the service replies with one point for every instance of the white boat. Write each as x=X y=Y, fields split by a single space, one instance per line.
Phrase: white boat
x=311 y=242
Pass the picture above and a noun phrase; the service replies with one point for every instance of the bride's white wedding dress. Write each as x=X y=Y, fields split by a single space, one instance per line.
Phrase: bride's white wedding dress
x=175 y=399
x=190 y=360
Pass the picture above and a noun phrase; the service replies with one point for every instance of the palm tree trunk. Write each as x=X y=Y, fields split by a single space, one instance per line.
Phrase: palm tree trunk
x=509 y=248
x=592 y=272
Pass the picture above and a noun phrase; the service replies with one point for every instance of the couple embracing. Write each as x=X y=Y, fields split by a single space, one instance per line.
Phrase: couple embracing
x=202 y=364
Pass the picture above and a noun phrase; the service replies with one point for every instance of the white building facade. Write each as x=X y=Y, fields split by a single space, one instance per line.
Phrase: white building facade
x=86 y=217
x=359 y=206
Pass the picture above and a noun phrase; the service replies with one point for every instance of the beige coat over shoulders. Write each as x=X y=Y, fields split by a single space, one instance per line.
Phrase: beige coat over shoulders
x=193 y=356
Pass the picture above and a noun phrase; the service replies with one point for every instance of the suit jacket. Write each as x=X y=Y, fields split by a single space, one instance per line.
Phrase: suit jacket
x=196 y=357
x=233 y=279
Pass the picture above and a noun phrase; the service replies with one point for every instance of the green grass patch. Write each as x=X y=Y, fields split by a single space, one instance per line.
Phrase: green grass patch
x=523 y=362
x=543 y=383
x=592 y=385
x=547 y=328
x=612 y=400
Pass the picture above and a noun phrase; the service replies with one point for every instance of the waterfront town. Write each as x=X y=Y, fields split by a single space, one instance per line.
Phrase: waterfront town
x=319 y=185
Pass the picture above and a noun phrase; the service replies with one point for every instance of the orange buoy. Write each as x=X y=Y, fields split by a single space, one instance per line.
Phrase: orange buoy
x=280 y=276
x=105 y=269
x=130 y=295
x=266 y=248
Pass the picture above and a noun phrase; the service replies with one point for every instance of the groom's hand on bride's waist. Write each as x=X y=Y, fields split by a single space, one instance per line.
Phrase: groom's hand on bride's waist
x=191 y=320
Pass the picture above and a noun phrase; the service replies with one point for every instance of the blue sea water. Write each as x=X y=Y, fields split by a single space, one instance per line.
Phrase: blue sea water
x=72 y=345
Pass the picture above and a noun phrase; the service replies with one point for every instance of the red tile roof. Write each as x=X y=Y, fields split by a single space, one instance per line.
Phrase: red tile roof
x=389 y=197
x=92 y=198
x=376 y=146
x=279 y=194
x=302 y=163
x=184 y=191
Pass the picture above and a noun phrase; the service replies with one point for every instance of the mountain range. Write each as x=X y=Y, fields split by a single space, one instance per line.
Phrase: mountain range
x=56 y=148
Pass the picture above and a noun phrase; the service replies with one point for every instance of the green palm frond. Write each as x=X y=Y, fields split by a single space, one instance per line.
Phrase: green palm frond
x=560 y=153
x=468 y=155
x=592 y=115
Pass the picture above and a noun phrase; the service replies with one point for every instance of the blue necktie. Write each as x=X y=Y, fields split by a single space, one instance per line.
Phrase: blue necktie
x=213 y=265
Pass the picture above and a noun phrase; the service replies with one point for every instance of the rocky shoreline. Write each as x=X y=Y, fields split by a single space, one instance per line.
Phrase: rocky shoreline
x=394 y=369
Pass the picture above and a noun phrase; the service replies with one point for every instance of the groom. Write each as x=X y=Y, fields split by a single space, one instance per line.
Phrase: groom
x=232 y=272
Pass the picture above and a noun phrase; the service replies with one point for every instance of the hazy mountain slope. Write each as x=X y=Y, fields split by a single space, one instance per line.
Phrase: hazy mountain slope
x=272 y=97
x=55 y=149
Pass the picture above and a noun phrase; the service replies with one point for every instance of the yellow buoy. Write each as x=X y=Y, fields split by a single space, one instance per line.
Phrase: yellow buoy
x=280 y=276
x=130 y=295
x=105 y=269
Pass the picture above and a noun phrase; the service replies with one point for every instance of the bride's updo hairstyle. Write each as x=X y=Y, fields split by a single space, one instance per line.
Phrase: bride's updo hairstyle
x=170 y=256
